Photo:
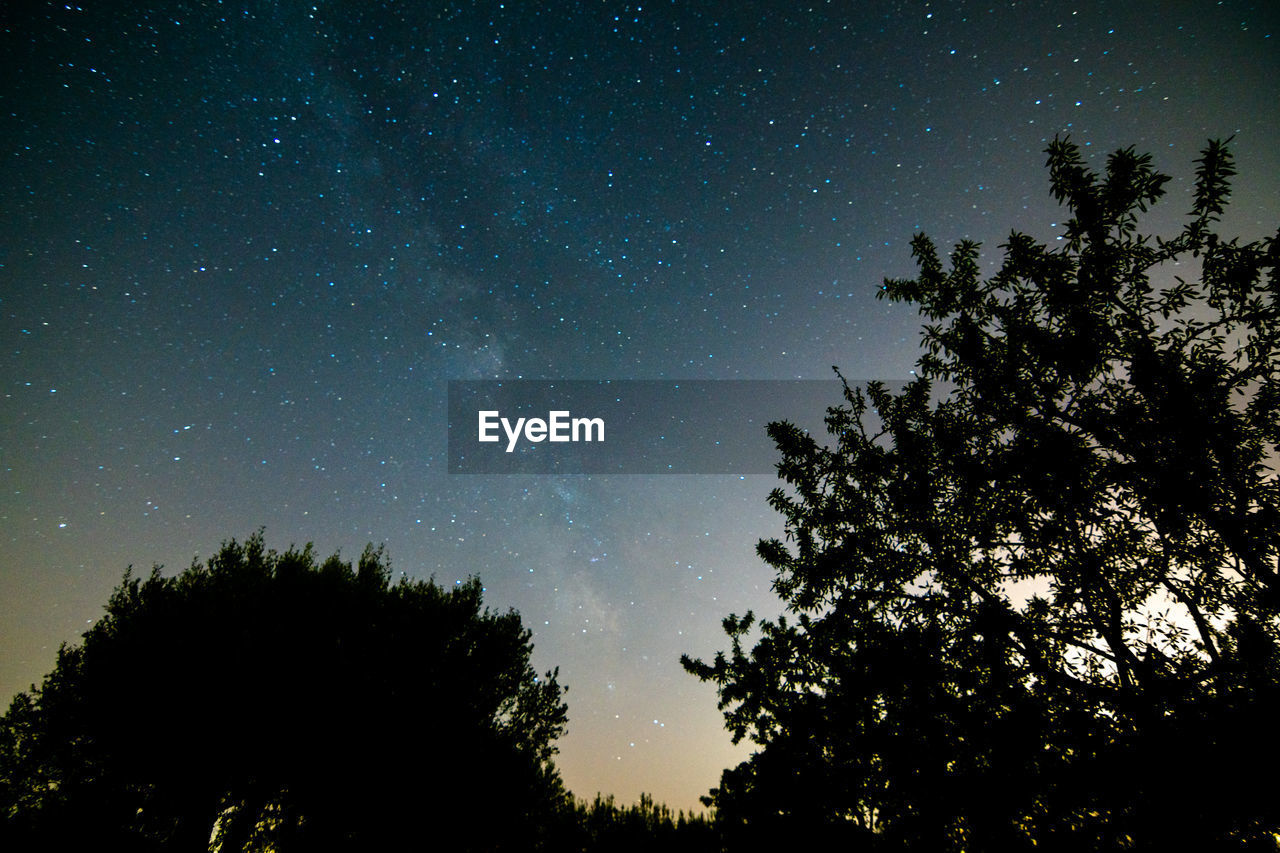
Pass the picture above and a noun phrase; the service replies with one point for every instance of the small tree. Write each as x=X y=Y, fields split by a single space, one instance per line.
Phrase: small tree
x=1042 y=610
x=268 y=701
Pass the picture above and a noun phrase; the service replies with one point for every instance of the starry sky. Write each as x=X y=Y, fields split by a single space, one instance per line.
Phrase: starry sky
x=245 y=246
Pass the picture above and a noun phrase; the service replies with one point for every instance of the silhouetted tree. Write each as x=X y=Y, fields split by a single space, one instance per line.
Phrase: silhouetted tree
x=270 y=701
x=1032 y=599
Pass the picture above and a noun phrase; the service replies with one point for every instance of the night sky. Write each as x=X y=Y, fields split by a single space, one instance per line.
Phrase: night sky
x=245 y=246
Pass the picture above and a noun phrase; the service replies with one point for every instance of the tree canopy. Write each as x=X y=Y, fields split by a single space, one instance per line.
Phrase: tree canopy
x=269 y=700
x=1032 y=599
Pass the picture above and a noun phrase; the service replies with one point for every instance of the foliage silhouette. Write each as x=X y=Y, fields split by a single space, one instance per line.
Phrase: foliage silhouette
x=270 y=701
x=1040 y=610
x=602 y=826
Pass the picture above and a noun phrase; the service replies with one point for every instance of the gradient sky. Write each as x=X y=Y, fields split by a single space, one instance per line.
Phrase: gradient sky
x=245 y=246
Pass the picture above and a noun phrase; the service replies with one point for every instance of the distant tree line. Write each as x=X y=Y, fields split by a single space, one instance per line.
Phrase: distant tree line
x=602 y=826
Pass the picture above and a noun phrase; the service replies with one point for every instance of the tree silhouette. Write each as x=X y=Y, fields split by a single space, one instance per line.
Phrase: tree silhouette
x=268 y=701
x=602 y=826
x=1032 y=599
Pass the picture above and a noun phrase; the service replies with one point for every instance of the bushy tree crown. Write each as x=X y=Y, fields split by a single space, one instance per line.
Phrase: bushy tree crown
x=268 y=700
x=1032 y=599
